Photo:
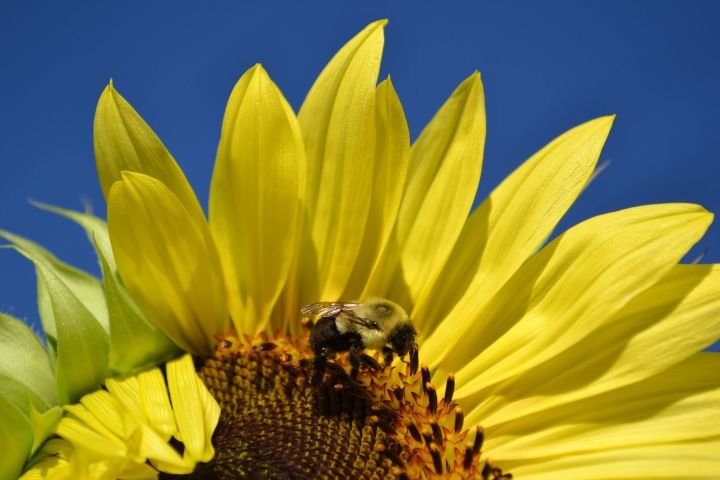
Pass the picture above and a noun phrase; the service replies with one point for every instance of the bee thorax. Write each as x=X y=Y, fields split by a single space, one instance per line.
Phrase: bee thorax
x=343 y=325
x=373 y=339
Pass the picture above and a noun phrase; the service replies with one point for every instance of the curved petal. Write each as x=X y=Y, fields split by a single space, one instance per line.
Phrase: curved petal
x=667 y=426
x=689 y=461
x=443 y=175
x=116 y=432
x=168 y=262
x=392 y=152
x=196 y=411
x=511 y=224
x=669 y=322
x=123 y=141
x=567 y=290
x=337 y=121
x=135 y=342
x=256 y=197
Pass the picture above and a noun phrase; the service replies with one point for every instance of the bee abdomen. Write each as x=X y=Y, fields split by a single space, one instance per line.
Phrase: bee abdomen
x=325 y=336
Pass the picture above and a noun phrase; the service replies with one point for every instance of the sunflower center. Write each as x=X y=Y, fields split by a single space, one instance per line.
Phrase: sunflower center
x=384 y=424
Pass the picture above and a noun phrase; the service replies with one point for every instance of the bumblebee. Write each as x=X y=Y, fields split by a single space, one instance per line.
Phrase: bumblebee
x=375 y=324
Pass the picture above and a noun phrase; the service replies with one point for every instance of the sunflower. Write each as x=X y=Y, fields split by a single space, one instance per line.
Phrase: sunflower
x=575 y=358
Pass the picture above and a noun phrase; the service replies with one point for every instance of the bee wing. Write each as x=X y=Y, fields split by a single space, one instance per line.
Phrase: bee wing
x=329 y=309
x=361 y=322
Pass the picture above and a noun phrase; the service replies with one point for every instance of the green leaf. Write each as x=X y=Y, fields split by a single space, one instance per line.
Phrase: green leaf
x=24 y=359
x=16 y=439
x=135 y=343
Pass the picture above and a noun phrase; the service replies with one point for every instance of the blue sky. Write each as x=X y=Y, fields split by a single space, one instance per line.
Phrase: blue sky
x=546 y=67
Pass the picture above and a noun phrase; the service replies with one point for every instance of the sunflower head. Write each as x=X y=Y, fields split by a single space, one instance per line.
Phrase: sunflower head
x=384 y=423
x=499 y=350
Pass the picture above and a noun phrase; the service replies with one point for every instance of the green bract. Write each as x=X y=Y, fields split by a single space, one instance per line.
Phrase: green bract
x=27 y=395
x=93 y=331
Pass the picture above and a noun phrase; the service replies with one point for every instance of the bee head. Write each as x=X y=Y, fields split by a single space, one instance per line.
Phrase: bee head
x=386 y=314
x=384 y=310
x=403 y=338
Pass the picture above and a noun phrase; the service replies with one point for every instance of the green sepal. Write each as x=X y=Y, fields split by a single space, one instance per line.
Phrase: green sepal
x=24 y=359
x=82 y=342
x=23 y=427
x=79 y=320
x=28 y=400
x=16 y=439
x=16 y=393
x=86 y=288
x=43 y=424
x=95 y=228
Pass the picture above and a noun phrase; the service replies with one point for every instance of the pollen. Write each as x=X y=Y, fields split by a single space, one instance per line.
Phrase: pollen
x=384 y=424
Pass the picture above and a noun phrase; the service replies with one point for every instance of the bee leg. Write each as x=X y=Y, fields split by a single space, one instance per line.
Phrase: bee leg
x=414 y=359
x=388 y=355
x=338 y=373
x=355 y=361
x=370 y=362
x=319 y=366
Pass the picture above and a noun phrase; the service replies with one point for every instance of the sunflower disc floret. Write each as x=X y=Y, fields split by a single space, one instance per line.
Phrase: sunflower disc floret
x=276 y=424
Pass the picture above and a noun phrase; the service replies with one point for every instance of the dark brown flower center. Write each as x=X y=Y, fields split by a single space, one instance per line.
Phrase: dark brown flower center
x=383 y=425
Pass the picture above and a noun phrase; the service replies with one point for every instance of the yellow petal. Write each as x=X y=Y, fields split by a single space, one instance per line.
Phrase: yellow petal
x=123 y=141
x=667 y=323
x=196 y=411
x=168 y=262
x=337 y=121
x=667 y=426
x=145 y=399
x=156 y=403
x=134 y=471
x=119 y=432
x=511 y=224
x=104 y=414
x=127 y=392
x=688 y=461
x=443 y=174
x=600 y=265
x=99 y=443
x=256 y=197
x=392 y=151
x=163 y=455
